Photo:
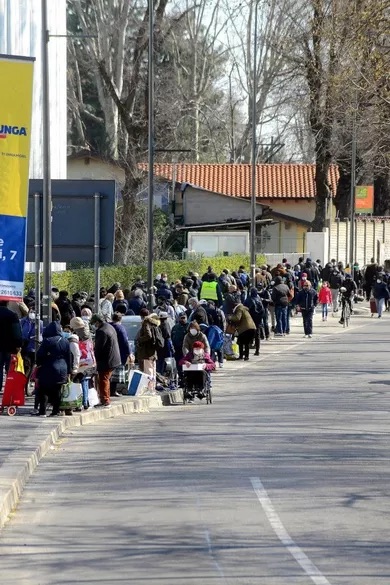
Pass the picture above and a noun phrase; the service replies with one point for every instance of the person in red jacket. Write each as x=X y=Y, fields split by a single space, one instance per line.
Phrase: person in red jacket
x=325 y=299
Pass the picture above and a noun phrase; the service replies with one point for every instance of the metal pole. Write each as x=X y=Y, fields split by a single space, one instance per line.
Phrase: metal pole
x=47 y=203
x=254 y=112
x=151 y=154
x=353 y=187
x=37 y=261
x=96 y=260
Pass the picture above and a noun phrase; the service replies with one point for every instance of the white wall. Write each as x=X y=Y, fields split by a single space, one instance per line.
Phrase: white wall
x=20 y=34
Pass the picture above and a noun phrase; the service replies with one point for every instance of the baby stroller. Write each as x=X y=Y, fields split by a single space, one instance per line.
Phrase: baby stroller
x=196 y=382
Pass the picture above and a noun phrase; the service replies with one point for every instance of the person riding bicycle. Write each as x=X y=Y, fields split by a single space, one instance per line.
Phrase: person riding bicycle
x=347 y=294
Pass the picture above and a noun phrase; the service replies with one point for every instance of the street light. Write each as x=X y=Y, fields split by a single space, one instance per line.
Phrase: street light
x=254 y=148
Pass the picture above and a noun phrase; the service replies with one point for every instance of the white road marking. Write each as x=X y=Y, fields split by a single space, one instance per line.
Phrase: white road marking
x=310 y=569
x=209 y=543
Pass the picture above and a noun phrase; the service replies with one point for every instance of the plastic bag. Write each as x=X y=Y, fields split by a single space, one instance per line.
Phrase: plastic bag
x=19 y=365
x=71 y=396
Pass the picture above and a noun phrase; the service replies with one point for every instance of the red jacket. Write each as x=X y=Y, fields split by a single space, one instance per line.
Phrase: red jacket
x=325 y=296
x=209 y=364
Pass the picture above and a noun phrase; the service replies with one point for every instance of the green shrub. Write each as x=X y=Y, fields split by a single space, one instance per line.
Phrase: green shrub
x=83 y=279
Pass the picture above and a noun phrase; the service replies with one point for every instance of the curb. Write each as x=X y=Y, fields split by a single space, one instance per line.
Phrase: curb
x=172 y=397
x=15 y=475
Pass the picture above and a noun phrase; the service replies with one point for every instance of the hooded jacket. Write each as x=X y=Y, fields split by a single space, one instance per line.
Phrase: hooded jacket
x=53 y=357
x=307 y=299
x=280 y=293
x=189 y=341
x=242 y=319
x=255 y=306
x=146 y=340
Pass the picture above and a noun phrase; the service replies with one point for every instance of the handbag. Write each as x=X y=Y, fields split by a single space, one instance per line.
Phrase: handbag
x=71 y=396
x=231 y=329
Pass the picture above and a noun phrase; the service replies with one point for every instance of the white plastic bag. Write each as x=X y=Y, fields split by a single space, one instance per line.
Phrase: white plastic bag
x=93 y=397
x=71 y=396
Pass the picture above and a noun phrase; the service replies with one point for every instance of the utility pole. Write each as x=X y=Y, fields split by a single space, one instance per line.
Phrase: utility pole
x=151 y=154
x=254 y=153
x=47 y=200
x=353 y=187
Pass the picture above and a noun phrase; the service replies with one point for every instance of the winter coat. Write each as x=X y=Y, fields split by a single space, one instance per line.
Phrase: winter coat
x=336 y=280
x=307 y=299
x=164 y=292
x=136 y=304
x=189 y=357
x=123 y=341
x=231 y=300
x=146 y=340
x=178 y=334
x=280 y=295
x=66 y=310
x=216 y=317
x=74 y=352
x=182 y=297
x=199 y=315
x=325 y=295
x=28 y=334
x=106 y=309
x=119 y=302
x=189 y=341
x=53 y=357
x=255 y=306
x=380 y=291
x=166 y=351
x=107 y=352
x=10 y=331
x=242 y=319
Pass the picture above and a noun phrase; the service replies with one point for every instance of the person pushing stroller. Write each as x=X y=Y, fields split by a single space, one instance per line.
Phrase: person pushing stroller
x=195 y=380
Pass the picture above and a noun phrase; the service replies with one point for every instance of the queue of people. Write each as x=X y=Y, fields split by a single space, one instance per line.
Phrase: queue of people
x=206 y=310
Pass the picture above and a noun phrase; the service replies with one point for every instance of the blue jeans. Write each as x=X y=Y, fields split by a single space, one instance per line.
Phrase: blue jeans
x=281 y=319
x=5 y=360
x=324 y=310
x=85 y=388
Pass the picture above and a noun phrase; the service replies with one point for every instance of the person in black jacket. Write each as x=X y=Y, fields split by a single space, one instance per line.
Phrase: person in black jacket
x=107 y=356
x=256 y=310
x=54 y=368
x=265 y=298
x=307 y=300
x=280 y=298
x=10 y=338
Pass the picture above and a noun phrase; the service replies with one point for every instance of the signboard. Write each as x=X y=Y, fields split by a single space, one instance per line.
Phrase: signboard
x=74 y=226
x=16 y=74
x=364 y=199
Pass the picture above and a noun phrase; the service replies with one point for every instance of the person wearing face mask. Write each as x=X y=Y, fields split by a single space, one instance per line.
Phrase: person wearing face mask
x=381 y=294
x=336 y=280
x=350 y=291
x=195 y=381
x=28 y=326
x=194 y=334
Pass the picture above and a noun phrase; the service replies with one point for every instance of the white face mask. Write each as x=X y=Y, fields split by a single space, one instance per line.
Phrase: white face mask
x=193 y=331
x=198 y=352
x=378 y=281
x=304 y=278
x=31 y=316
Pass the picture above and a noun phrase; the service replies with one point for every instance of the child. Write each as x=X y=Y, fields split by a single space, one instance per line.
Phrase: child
x=325 y=298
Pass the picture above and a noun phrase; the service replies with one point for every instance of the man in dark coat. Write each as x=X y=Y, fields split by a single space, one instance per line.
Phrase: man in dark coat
x=10 y=337
x=280 y=298
x=107 y=356
x=307 y=300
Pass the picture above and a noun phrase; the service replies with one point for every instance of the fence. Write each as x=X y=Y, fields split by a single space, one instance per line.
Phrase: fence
x=372 y=240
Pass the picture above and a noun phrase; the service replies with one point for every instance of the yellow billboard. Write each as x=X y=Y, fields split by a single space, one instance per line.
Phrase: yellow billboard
x=16 y=74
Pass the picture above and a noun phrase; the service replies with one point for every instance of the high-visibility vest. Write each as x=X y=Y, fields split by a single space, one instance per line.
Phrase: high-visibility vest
x=209 y=291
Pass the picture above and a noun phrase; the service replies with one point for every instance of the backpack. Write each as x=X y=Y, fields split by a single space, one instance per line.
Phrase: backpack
x=215 y=337
x=244 y=278
x=158 y=338
x=87 y=356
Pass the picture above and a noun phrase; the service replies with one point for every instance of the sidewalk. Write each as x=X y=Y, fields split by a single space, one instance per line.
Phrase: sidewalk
x=25 y=440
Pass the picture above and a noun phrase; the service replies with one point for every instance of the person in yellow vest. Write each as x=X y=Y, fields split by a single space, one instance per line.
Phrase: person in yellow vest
x=210 y=290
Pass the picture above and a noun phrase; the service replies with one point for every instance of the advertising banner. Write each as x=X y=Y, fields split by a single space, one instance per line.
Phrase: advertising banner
x=16 y=75
x=364 y=199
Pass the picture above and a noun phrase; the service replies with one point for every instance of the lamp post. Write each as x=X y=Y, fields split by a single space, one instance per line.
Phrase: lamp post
x=151 y=154
x=353 y=187
x=254 y=153
x=47 y=200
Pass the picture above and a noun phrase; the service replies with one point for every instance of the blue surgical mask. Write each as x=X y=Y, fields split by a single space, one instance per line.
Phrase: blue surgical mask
x=66 y=334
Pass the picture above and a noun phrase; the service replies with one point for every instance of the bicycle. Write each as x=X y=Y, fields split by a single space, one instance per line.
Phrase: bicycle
x=345 y=311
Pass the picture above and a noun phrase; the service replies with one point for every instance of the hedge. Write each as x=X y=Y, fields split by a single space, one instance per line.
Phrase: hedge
x=83 y=279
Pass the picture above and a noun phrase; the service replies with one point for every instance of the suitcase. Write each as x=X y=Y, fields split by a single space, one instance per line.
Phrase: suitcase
x=373 y=308
x=14 y=390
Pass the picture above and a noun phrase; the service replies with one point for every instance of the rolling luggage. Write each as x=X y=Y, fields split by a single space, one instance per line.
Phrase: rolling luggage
x=373 y=308
x=14 y=389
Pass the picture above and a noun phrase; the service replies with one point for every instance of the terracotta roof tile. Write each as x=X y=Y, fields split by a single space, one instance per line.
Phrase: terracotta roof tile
x=274 y=181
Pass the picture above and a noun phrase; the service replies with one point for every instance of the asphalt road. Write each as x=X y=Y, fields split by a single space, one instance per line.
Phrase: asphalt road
x=284 y=480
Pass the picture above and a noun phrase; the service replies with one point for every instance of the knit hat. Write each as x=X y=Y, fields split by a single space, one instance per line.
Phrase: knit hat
x=77 y=323
x=198 y=345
